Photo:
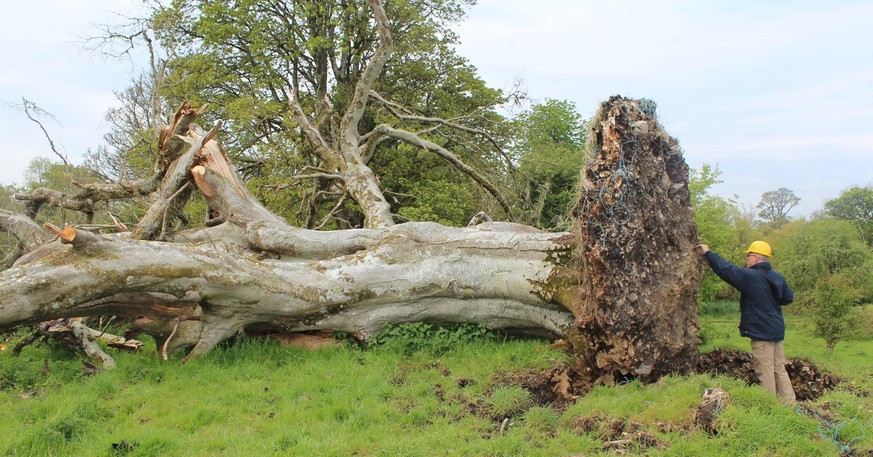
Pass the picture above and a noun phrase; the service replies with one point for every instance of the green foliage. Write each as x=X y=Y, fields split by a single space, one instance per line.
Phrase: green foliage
x=864 y=324
x=833 y=300
x=714 y=217
x=855 y=205
x=422 y=337
x=549 y=144
x=806 y=252
x=42 y=172
x=422 y=187
x=226 y=53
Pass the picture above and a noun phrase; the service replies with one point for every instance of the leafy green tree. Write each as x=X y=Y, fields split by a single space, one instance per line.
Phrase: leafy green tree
x=550 y=148
x=421 y=188
x=714 y=217
x=776 y=204
x=833 y=300
x=748 y=229
x=855 y=205
x=248 y=58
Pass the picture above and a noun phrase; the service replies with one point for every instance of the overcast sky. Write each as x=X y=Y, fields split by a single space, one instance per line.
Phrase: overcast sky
x=776 y=93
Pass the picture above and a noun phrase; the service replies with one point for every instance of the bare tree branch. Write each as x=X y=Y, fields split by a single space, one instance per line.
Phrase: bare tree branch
x=309 y=130
x=416 y=140
x=32 y=111
x=393 y=109
x=355 y=111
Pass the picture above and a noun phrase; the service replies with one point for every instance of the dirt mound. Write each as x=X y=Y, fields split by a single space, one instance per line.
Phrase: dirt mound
x=558 y=386
x=808 y=380
x=561 y=385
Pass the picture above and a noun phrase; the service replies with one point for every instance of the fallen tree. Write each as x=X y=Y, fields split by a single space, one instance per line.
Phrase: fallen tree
x=621 y=287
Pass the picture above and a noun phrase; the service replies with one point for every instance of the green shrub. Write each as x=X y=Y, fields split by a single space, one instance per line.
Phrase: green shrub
x=833 y=301
x=805 y=252
x=421 y=337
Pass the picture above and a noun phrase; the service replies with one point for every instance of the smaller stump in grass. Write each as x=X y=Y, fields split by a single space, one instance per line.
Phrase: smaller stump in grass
x=714 y=402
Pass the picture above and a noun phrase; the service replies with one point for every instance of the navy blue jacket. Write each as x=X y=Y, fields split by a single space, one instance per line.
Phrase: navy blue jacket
x=763 y=292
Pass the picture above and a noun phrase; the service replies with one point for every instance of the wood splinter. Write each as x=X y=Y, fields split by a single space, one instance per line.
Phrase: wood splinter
x=199 y=174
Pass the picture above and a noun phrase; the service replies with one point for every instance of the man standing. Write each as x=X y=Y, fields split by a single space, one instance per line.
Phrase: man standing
x=763 y=292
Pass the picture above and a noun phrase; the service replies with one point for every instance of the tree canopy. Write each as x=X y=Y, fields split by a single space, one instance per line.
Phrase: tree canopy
x=855 y=205
x=776 y=204
x=296 y=82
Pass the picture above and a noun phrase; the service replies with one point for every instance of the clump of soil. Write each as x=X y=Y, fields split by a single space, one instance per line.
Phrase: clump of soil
x=556 y=387
x=563 y=384
x=617 y=434
x=809 y=382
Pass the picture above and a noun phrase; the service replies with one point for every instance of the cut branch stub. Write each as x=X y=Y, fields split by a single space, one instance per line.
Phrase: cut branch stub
x=637 y=231
x=69 y=235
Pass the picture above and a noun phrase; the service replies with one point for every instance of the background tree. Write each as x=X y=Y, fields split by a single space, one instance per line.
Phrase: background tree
x=855 y=205
x=46 y=181
x=776 y=204
x=833 y=300
x=807 y=252
x=549 y=144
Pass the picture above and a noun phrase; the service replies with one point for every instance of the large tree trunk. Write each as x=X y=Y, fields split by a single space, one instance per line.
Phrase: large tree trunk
x=502 y=275
x=623 y=288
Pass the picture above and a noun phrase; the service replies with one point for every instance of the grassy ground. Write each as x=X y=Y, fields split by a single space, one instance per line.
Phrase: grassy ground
x=260 y=399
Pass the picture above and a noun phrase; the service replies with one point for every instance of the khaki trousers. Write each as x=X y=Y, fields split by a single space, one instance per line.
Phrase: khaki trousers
x=768 y=358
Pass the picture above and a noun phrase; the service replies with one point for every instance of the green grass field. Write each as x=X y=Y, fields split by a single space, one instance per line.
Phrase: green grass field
x=255 y=398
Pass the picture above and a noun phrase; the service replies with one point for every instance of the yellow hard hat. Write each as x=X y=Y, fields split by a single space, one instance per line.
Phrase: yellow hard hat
x=760 y=247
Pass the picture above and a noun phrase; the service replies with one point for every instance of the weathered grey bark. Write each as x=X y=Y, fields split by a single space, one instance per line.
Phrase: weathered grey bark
x=505 y=276
x=28 y=234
